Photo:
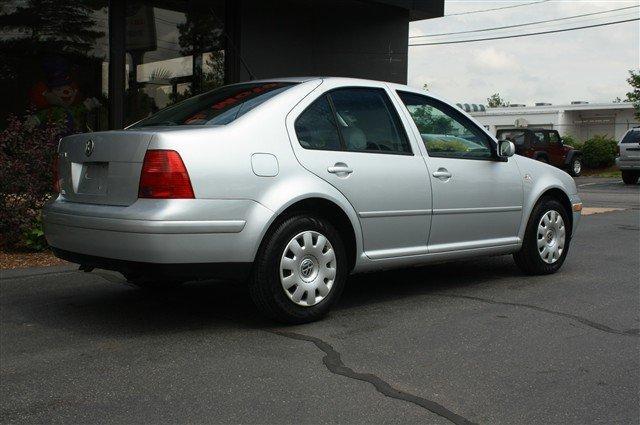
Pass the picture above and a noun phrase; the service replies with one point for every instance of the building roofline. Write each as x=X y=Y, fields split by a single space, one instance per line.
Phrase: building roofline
x=553 y=109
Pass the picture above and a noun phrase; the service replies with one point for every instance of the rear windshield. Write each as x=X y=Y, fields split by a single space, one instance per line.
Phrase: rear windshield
x=632 y=136
x=217 y=107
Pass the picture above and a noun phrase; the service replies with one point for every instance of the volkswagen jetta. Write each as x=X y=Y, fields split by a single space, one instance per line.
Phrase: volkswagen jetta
x=293 y=184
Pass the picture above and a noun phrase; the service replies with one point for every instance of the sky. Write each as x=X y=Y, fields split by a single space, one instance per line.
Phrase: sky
x=590 y=64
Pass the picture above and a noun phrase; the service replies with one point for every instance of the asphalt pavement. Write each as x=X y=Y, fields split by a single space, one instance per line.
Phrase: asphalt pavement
x=472 y=341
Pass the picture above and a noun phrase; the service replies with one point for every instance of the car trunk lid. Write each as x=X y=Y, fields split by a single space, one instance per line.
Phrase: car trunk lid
x=102 y=168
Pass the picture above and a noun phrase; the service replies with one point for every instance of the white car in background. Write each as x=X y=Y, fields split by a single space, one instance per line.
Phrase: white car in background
x=629 y=159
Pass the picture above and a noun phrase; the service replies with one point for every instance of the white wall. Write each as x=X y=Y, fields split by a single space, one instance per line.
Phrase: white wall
x=582 y=123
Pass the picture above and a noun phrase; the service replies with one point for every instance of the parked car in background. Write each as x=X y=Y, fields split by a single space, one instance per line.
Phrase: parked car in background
x=293 y=184
x=544 y=145
x=629 y=158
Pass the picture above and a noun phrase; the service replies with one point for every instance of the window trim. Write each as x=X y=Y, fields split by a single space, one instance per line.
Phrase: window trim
x=458 y=115
x=395 y=117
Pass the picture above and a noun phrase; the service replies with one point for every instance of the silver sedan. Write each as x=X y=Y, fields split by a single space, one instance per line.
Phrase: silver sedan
x=293 y=184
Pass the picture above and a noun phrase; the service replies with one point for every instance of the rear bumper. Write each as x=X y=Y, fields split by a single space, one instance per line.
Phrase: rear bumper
x=236 y=271
x=628 y=164
x=189 y=231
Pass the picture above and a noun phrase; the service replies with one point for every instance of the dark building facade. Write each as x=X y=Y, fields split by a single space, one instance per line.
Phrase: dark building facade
x=101 y=64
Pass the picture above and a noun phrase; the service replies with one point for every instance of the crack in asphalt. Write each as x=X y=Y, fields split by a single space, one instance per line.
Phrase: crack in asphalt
x=333 y=361
x=584 y=321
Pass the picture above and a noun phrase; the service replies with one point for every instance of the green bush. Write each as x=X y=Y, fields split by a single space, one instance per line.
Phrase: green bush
x=33 y=238
x=599 y=152
x=573 y=142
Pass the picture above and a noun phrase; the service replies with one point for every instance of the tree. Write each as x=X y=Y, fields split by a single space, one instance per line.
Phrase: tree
x=496 y=101
x=634 y=95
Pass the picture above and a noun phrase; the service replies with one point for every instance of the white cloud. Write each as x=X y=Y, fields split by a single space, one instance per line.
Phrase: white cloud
x=590 y=64
x=492 y=59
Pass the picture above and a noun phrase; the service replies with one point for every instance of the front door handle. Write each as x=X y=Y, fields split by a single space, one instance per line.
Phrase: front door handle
x=340 y=168
x=442 y=174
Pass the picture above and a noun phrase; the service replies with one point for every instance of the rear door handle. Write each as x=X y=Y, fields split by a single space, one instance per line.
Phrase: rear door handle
x=339 y=168
x=442 y=174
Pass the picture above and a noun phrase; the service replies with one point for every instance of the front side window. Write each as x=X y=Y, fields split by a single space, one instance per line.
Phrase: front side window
x=368 y=121
x=445 y=132
x=538 y=138
x=554 y=137
x=515 y=136
x=217 y=107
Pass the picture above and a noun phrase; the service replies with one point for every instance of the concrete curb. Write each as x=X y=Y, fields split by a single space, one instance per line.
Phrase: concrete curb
x=36 y=271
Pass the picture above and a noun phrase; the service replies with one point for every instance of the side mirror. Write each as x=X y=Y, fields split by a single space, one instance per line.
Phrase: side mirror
x=506 y=148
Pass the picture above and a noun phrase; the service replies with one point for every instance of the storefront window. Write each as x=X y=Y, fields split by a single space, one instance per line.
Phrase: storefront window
x=53 y=63
x=175 y=49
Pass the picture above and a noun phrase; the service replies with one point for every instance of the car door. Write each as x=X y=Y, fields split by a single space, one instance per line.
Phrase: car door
x=353 y=138
x=477 y=197
x=541 y=146
x=555 y=149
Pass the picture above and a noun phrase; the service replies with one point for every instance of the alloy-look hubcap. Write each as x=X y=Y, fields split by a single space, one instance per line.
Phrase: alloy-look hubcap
x=577 y=167
x=308 y=268
x=551 y=236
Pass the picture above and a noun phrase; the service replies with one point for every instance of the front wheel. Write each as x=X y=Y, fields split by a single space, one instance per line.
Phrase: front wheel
x=575 y=168
x=300 y=270
x=546 y=240
x=630 y=177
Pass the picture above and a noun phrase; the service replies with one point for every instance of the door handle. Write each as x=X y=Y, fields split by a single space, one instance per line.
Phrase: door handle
x=339 y=168
x=442 y=174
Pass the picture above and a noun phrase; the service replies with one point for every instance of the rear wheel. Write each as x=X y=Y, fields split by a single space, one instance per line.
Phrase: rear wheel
x=575 y=167
x=300 y=270
x=630 y=177
x=546 y=240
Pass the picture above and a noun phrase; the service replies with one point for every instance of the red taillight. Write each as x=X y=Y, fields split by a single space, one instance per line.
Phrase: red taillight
x=164 y=176
x=56 y=176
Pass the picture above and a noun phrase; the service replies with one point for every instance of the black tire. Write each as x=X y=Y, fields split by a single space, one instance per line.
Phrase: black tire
x=528 y=259
x=543 y=158
x=265 y=287
x=630 y=177
x=572 y=167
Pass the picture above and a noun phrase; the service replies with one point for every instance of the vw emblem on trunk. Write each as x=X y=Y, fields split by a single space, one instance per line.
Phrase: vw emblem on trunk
x=88 y=148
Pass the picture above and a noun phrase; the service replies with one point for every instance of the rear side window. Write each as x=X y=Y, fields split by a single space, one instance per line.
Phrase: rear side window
x=553 y=137
x=353 y=119
x=632 y=136
x=368 y=121
x=217 y=107
x=316 y=127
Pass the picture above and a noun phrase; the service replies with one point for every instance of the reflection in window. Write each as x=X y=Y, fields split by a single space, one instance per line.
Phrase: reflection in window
x=368 y=121
x=516 y=137
x=173 y=52
x=444 y=131
x=53 y=63
x=217 y=107
x=316 y=127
